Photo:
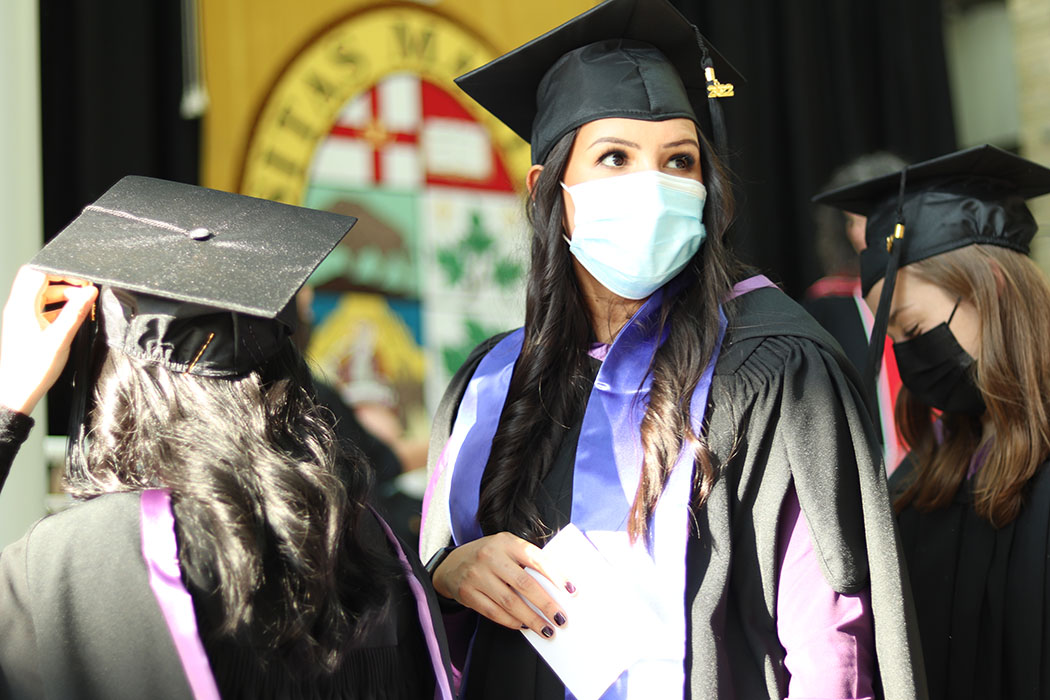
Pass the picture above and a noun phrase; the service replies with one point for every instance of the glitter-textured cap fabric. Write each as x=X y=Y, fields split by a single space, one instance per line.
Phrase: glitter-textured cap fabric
x=639 y=59
x=976 y=195
x=196 y=279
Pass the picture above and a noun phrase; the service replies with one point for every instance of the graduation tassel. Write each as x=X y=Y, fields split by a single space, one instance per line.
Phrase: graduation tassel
x=715 y=91
x=894 y=246
x=718 y=122
x=83 y=356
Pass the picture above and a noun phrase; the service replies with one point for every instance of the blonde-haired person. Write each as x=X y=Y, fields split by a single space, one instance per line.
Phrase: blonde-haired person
x=968 y=313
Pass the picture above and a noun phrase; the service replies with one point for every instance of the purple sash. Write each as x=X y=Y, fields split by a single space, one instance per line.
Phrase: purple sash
x=160 y=551
x=442 y=687
x=472 y=434
x=605 y=480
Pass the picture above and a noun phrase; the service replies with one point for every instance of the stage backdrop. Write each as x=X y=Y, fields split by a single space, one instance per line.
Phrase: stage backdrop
x=350 y=107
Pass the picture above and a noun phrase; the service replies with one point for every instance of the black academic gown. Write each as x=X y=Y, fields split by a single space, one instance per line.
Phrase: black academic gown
x=399 y=510
x=841 y=318
x=982 y=594
x=78 y=618
x=785 y=409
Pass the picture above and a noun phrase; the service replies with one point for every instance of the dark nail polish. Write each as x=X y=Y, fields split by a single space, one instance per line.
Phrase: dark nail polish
x=524 y=627
x=559 y=619
x=548 y=632
x=569 y=587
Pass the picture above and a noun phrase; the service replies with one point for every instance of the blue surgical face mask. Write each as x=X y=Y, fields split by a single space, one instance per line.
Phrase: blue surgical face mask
x=635 y=232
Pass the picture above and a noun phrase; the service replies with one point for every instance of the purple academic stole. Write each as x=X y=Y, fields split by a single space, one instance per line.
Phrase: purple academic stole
x=605 y=479
x=442 y=682
x=160 y=550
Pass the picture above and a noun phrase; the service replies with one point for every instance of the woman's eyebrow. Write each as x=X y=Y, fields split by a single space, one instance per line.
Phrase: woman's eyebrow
x=683 y=142
x=613 y=139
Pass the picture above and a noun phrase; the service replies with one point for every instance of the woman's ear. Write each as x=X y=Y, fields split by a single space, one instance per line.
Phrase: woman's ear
x=532 y=176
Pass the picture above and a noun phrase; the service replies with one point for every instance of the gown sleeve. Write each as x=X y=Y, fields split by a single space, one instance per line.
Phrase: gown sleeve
x=827 y=636
x=787 y=414
x=14 y=429
x=19 y=672
x=829 y=445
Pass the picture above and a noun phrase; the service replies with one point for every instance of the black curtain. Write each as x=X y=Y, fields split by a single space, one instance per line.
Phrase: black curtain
x=826 y=81
x=111 y=83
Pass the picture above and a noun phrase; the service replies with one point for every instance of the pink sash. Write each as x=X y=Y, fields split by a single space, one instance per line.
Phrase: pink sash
x=160 y=551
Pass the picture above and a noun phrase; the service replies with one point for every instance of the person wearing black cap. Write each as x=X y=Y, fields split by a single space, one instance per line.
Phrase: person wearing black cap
x=947 y=273
x=223 y=548
x=701 y=430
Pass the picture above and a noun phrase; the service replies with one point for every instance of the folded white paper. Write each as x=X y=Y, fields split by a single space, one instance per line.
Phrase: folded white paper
x=608 y=623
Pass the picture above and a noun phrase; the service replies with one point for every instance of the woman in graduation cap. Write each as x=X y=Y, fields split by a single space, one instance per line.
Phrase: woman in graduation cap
x=702 y=431
x=223 y=548
x=947 y=273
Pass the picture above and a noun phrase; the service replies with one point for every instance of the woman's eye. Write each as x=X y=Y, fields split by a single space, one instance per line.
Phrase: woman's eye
x=911 y=332
x=614 y=159
x=682 y=162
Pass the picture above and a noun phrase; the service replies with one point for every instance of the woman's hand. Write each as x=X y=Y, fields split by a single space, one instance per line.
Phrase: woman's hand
x=35 y=343
x=488 y=575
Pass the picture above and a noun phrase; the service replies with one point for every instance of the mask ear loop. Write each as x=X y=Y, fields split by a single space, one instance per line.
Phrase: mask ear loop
x=958 y=300
x=566 y=188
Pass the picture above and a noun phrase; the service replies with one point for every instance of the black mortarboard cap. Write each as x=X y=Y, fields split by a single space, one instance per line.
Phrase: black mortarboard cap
x=976 y=195
x=973 y=196
x=639 y=59
x=195 y=279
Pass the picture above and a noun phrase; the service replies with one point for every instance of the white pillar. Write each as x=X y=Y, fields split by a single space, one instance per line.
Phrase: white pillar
x=1031 y=29
x=21 y=228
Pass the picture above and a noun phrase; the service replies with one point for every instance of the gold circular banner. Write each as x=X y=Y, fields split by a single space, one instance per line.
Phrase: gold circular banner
x=345 y=61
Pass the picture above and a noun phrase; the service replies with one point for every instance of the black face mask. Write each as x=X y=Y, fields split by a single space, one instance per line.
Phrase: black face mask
x=939 y=372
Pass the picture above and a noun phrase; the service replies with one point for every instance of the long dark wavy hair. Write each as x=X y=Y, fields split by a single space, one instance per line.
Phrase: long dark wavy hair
x=547 y=389
x=267 y=502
